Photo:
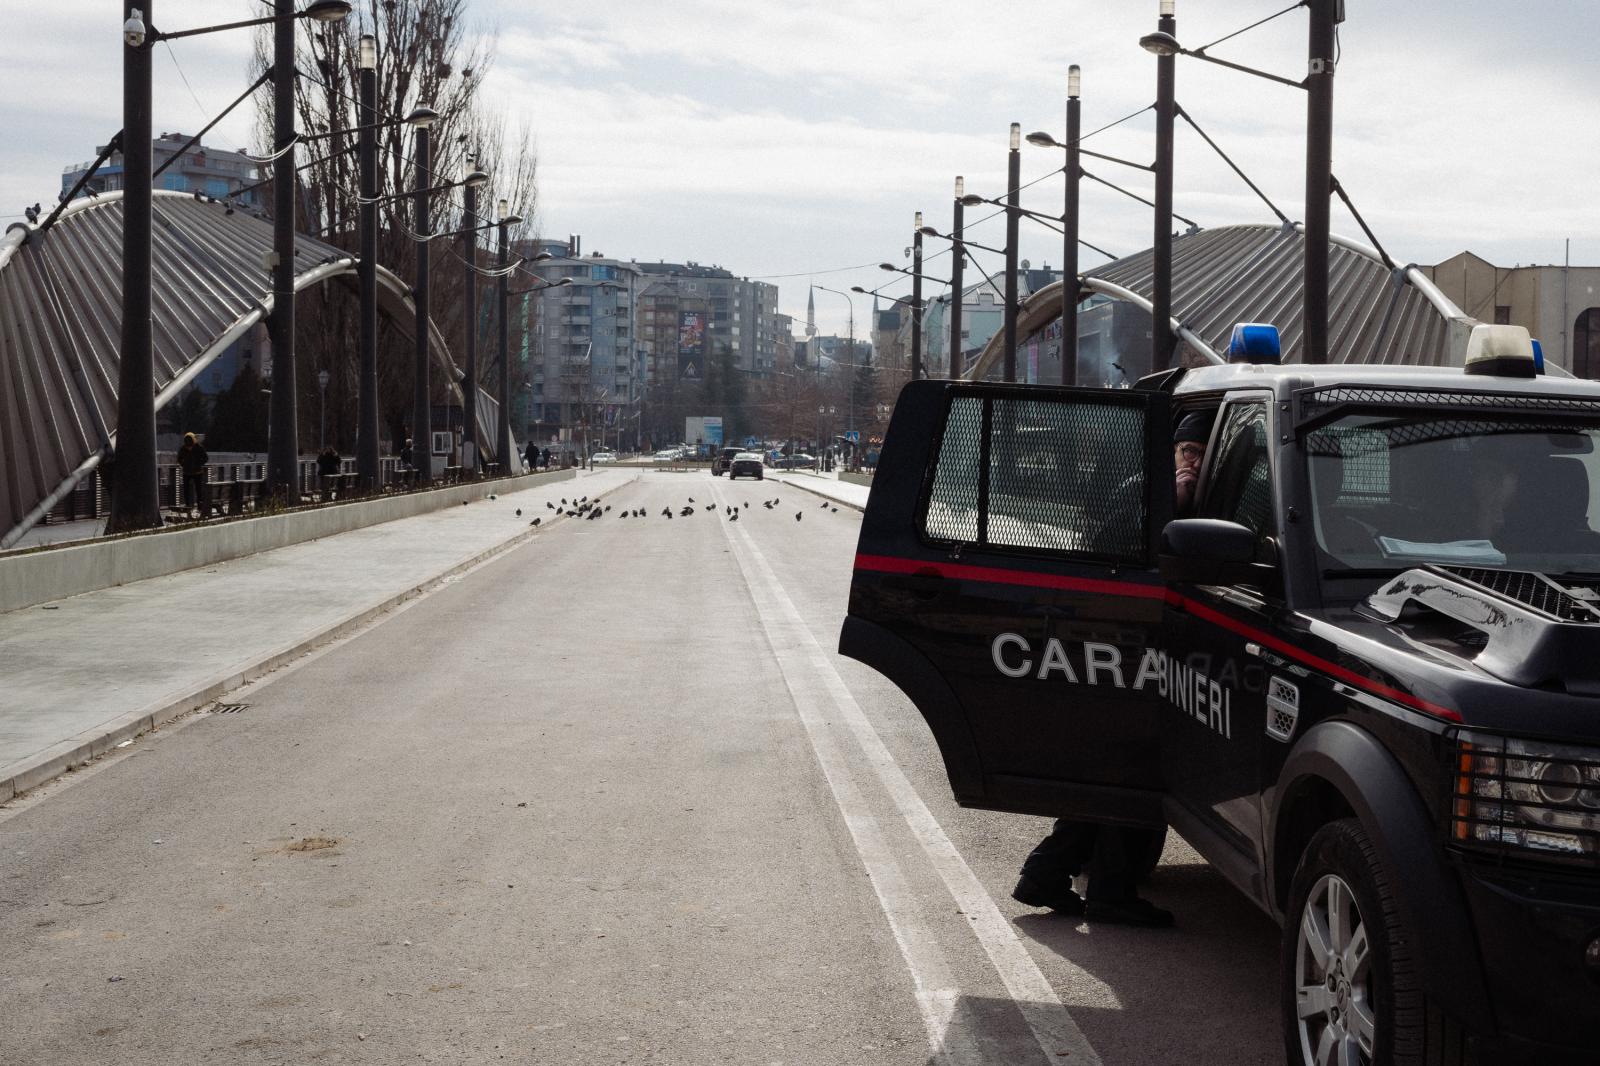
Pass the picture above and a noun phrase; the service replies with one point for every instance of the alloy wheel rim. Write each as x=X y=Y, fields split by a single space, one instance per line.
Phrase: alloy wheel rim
x=1336 y=1016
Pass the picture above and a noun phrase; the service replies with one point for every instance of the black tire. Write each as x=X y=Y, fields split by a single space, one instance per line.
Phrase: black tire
x=1340 y=872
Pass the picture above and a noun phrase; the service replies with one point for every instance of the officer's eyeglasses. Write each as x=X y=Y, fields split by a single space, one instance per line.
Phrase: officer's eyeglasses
x=1191 y=452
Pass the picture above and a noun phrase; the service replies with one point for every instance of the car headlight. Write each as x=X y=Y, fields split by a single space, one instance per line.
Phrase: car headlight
x=1530 y=795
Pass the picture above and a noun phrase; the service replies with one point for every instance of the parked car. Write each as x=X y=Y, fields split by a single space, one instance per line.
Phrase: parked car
x=665 y=455
x=747 y=464
x=603 y=457
x=793 y=462
x=723 y=460
x=1361 y=678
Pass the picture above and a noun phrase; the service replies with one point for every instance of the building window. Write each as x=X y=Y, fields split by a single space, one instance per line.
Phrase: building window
x=1502 y=315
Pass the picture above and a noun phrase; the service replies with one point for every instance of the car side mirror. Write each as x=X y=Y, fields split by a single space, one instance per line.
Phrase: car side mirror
x=1209 y=551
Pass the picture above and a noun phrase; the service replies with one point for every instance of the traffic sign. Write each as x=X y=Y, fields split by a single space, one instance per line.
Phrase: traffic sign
x=853 y=436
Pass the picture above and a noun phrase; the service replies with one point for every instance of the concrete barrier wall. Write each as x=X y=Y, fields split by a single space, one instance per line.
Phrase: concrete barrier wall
x=856 y=479
x=42 y=575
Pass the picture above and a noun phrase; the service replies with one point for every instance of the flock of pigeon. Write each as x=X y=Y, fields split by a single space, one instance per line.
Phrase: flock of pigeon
x=589 y=510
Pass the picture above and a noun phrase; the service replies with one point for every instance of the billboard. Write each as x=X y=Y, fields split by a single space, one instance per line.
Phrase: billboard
x=691 y=345
x=703 y=430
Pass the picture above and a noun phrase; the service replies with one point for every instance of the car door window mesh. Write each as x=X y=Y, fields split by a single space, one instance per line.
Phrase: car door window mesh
x=1052 y=475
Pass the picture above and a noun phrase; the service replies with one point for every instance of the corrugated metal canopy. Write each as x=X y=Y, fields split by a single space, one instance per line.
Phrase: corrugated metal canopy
x=61 y=316
x=1255 y=273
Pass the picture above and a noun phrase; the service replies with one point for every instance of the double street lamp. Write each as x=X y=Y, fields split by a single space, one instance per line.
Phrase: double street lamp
x=1325 y=15
x=850 y=416
x=136 y=490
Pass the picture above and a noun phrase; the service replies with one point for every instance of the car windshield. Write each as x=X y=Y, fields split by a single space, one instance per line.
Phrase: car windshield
x=747 y=457
x=1459 y=489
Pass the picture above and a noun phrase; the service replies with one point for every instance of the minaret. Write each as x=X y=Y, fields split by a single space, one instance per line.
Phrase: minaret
x=811 y=327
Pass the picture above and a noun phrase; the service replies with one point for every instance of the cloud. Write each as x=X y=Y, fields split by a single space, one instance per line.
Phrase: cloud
x=781 y=138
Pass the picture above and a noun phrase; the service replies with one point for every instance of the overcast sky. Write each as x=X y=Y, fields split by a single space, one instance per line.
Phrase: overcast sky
x=793 y=141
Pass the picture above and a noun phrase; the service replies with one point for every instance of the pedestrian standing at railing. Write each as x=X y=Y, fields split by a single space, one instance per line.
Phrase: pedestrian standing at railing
x=192 y=459
x=328 y=471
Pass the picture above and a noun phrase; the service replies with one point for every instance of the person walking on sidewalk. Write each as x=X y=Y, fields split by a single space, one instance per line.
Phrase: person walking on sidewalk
x=328 y=471
x=192 y=460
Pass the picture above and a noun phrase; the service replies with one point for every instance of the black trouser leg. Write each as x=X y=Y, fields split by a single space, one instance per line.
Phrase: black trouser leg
x=1062 y=855
x=1112 y=876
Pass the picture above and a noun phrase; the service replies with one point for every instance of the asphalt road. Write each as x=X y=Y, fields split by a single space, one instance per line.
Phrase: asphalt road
x=609 y=798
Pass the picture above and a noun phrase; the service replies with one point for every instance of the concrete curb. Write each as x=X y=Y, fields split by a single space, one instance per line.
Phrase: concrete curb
x=90 y=744
x=818 y=492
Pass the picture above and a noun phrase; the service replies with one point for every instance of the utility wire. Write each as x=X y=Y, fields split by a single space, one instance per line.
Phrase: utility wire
x=1120 y=121
x=174 y=57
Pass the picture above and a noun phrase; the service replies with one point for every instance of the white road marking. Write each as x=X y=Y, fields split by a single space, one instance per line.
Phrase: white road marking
x=815 y=684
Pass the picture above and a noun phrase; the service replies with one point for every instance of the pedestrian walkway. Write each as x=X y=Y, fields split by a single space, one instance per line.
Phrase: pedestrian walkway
x=80 y=674
x=828 y=486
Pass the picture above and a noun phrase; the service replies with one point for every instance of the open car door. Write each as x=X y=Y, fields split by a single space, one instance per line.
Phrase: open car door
x=1005 y=580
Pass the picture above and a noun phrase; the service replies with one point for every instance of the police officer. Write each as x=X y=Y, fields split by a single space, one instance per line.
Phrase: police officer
x=1111 y=855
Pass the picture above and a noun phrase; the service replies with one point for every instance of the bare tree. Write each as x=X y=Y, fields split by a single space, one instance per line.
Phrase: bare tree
x=427 y=54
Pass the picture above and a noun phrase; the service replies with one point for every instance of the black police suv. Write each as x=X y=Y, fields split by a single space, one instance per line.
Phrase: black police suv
x=1362 y=678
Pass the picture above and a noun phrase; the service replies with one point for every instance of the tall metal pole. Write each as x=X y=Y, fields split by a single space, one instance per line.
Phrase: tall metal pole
x=1069 y=225
x=469 y=385
x=136 y=488
x=1161 y=251
x=283 y=440
x=1013 y=216
x=422 y=409
x=958 y=261
x=916 y=300
x=503 y=437
x=1325 y=15
x=367 y=461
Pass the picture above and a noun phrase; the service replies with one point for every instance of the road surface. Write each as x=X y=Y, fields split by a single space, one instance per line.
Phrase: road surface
x=610 y=797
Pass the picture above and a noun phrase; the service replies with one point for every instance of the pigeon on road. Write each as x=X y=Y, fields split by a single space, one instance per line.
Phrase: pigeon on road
x=519 y=512
x=797 y=516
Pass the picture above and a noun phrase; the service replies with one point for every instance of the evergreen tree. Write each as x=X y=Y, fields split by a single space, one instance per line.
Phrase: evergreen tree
x=239 y=416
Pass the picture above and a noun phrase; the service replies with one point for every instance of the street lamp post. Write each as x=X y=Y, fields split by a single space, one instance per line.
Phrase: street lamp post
x=422 y=408
x=136 y=488
x=283 y=438
x=1069 y=226
x=1319 y=174
x=503 y=426
x=916 y=300
x=958 y=262
x=367 y=460
x=1161 y=250
x=1013 y=217
x=469 y=385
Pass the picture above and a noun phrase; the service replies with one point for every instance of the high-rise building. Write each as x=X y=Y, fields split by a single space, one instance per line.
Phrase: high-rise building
x=576 y=365
x=741 y=316
x=209 y=171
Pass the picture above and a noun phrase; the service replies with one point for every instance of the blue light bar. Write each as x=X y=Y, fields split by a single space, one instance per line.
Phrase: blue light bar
x=1538 y=357
x=1255 y=342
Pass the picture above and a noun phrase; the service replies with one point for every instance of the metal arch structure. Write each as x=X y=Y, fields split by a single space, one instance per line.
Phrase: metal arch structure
x=60 y=329
x=1254 y=273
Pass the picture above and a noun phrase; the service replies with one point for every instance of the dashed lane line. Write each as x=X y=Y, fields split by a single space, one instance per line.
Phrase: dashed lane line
x=817 y=689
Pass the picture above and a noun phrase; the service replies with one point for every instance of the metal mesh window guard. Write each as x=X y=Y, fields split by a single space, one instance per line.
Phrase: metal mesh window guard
x=1057 y=475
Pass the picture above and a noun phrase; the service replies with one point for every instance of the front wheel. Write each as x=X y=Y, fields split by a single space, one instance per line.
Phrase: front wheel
x=1349 y=987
